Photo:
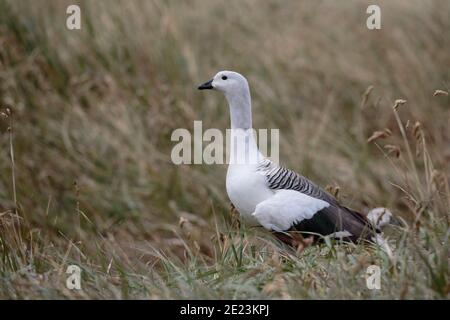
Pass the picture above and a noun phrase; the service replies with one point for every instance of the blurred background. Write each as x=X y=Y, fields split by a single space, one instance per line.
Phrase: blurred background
x=93 y=111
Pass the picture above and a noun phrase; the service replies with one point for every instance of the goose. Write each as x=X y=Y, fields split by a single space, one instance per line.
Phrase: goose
x=277 y=198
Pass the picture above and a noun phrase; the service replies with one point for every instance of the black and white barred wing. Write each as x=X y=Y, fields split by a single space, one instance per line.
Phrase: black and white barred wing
x=281 y=178
x=301 y=205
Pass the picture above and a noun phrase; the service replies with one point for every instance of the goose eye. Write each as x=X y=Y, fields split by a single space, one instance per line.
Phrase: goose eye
x=224 y=77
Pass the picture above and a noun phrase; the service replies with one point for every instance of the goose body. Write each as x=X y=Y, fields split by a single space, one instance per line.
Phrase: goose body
x=272 y=196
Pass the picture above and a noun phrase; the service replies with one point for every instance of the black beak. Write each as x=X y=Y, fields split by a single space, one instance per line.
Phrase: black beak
x=206 y=85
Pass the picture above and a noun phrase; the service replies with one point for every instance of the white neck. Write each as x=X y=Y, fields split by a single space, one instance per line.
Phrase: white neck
x=243 y=147
x=240 y=108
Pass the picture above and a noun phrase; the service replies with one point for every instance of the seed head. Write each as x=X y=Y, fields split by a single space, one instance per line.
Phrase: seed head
x=398 y=103
x=440 y=93
x=393 y=149
x=381 y=134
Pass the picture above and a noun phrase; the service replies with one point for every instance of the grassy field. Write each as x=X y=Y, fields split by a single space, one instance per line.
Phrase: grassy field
x=88 y=115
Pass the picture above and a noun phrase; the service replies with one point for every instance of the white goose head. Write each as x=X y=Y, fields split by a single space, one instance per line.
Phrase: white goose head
x=228 y=82
x=236 y=90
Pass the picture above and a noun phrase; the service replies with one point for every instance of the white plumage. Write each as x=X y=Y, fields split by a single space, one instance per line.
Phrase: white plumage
x=287 y=208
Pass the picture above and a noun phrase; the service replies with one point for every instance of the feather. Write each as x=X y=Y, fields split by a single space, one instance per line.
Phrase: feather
x=325 y=220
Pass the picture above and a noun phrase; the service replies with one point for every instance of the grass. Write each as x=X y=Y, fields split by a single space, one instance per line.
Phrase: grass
x=86 y=176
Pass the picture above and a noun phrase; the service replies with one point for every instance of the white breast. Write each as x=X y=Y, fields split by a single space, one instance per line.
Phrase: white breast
x=246 y=188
